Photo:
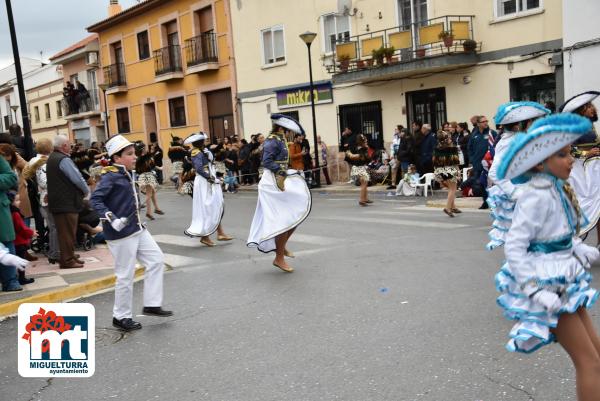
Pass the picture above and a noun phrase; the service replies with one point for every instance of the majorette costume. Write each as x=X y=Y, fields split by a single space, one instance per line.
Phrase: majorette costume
x=503 y=193
x=585 y=175
x=546 y=270
x=208 y=205
x=278 y=210
x=116 y=200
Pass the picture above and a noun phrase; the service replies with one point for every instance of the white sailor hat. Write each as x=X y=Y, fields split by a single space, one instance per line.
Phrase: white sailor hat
x=116 y=143
x=514 y=112
x=577 y=101
x=197 y=136
x=287 y=123
x=545 y=137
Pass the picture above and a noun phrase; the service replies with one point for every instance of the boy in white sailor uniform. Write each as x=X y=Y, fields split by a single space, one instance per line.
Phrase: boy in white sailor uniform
x=115 y=198
x=545 y=283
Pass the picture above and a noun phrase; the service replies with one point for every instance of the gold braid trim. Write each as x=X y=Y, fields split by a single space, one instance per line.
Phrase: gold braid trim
x=574 y=202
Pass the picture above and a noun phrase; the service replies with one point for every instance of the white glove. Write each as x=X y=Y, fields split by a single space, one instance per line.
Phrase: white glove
x=585 y=254
x=119 y=224
x=548 y=300
x=12 y=260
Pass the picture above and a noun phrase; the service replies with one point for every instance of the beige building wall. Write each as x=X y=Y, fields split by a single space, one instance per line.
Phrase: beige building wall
x=46 y=127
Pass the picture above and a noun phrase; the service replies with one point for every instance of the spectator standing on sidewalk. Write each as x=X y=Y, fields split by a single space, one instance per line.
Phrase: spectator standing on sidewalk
x=428 y=144
x=296 y=153
x=8 y=181
x=322 y=146
x=66 y=190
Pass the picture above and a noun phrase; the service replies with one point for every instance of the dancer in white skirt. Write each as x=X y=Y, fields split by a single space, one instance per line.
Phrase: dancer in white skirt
x=516 y=118
x=585 y=176
x=208 y=206
x=284 y=200
x=545 y=283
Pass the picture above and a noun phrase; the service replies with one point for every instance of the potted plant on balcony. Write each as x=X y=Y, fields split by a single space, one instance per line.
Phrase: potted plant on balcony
x=388 y=53
x=469 y=46
x=378 y=55
x=344 y=60
x=447 y=37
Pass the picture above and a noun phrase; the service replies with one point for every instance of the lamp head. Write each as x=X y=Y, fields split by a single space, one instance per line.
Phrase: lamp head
x=14 y=107
x=103 y=86
x=308 y=37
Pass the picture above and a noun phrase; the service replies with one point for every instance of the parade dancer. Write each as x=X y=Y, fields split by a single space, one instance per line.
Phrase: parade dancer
x=116 y=199
x=284 y=200
x=585 y=175
x=515 y=118
x=545 y=283
x=208 y=204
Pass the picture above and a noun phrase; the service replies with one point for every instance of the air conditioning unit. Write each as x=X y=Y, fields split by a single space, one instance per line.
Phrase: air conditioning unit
x=91 y=58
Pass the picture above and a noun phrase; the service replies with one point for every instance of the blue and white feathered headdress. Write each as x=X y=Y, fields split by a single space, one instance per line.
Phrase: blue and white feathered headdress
x=544 y=138
x=514 y=112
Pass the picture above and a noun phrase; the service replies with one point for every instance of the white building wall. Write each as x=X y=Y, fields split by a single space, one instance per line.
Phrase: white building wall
x=580 y=22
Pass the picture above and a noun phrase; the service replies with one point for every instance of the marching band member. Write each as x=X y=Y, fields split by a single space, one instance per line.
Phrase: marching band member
x=516 y=118
x=116 y=199
x=585 y=175
x=284 y=200
x=208 y=206
x=545 y=283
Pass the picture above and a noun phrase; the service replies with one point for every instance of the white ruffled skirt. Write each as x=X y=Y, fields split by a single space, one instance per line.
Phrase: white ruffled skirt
x=208 y=208
x=557 y=271
x=585 y=179
x=278 y=211
x=501 y=210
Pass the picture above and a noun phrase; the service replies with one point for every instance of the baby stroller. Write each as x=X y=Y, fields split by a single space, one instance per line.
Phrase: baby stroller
x=86 y=228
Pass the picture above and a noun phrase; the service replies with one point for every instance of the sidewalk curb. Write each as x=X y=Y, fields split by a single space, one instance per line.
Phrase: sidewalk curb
x=63 y=294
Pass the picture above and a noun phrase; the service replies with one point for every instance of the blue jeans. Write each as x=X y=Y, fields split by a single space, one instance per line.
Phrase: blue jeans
x=8 y=274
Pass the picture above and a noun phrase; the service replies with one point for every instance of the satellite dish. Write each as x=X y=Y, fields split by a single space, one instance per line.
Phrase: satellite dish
x=344 y=6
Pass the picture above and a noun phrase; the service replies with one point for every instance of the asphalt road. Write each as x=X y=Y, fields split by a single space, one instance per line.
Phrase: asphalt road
x=390 y=302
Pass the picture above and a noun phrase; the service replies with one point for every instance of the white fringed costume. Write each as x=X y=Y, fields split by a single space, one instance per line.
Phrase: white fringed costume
x=546 y=269
x=541 y=248
x=278 y=211
x=208 y=204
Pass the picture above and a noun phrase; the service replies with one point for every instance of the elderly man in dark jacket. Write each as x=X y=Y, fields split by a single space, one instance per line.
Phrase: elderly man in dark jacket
x=66 y=190
x=427 y=147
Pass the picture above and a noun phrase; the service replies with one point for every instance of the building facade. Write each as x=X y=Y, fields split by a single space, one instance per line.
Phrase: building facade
x=581 y=48
x=44 y=93
x=507 y=55
x=168 y=69
x=82 y=106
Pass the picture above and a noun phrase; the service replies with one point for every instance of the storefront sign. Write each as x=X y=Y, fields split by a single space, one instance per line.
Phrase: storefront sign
x=301 y=96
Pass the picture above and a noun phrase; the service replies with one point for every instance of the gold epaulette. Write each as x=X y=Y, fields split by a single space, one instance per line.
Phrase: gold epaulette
x=195 y=151
x=276 y=136
x=109 y=169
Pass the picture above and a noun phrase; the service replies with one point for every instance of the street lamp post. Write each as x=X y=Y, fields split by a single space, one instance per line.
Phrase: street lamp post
x=104 y=88
x=308 y=37
x=28 y=142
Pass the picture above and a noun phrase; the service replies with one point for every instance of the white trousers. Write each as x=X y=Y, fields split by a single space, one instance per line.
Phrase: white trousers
x=126 y=251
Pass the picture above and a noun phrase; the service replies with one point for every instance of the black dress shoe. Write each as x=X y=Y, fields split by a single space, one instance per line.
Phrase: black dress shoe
x=156 y=311
x=126 y=324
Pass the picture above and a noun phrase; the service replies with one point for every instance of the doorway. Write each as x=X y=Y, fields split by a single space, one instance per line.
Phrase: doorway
x=428 y=107
x=150 y=120
x=363 y=118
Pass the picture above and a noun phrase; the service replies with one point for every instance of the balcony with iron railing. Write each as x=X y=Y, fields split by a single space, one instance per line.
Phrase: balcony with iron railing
x=201 y=53
x=167 y=63
x=114 y=76
x=436 y=44
x=81 y=104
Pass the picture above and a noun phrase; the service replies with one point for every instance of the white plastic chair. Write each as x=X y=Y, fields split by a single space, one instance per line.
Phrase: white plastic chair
x=428 y=177
x=465 y=173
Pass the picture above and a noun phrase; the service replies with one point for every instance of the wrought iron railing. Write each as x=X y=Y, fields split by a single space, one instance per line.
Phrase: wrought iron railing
x=114 y=75
x=167 y=60
x=201 y=49
x=405 y=43
x=81 y=102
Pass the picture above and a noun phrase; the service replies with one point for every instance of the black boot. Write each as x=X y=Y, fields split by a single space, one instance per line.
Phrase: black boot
x=24 y=280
